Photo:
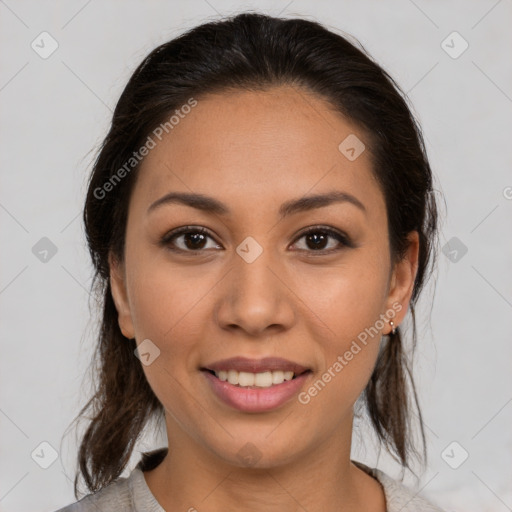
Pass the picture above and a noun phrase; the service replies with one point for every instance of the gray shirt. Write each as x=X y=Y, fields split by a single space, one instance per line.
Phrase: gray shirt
x=132 y=494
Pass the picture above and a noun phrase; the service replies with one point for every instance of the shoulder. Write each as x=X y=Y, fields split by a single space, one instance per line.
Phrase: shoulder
x=115 y=496
x=126 y=494
x=398 y=496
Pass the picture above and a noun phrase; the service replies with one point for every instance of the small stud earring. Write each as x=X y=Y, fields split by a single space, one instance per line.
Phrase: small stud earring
x=393 y=328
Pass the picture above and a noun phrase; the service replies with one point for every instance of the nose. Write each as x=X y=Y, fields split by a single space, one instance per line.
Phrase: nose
x=255 y=298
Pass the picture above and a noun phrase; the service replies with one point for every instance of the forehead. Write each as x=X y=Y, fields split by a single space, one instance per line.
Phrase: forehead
x=264 y=144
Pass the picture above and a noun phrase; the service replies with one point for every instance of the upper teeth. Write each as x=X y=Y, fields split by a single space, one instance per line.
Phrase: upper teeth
x=262 y=380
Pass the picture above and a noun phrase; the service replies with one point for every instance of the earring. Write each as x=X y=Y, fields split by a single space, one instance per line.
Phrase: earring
x=393 y=328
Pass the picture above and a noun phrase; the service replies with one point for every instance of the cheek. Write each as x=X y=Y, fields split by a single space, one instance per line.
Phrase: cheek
x=344 y=308
x=169 y=308
x=338 y=385
x=347 y=350
x=348 y=297
x=163 y=296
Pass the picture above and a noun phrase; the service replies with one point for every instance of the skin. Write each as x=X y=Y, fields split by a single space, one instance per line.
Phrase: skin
x=253 y=151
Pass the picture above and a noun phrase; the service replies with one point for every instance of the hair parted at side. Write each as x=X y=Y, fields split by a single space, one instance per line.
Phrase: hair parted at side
x=250 y=51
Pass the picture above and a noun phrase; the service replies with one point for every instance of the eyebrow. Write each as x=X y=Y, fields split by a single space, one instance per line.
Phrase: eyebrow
x=211 y=205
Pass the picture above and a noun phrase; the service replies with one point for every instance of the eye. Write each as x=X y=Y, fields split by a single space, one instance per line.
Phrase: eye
x=195 y=239
x=189 y=239
x=323 y=239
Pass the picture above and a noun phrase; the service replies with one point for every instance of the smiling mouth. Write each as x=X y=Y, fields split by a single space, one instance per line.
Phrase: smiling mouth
x=256 y=385
x=255 y=380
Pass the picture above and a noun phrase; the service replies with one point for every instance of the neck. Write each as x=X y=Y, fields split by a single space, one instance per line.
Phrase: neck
x=323 y=479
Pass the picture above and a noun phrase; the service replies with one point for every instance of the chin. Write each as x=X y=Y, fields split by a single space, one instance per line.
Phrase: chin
x=260 y=450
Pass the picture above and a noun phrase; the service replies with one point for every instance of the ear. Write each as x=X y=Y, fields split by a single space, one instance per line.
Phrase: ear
x=402 y=280
x=118 y=287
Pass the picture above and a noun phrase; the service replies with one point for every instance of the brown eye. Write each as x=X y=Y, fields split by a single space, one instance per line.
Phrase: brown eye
x=317 y=240
x=194 y=240
x=323 y=239
x=189 y=239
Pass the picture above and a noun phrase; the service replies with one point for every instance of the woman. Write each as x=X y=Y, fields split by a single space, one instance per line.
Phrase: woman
x=261 y=219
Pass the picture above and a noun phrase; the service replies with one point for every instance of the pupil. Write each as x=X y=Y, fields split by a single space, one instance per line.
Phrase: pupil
x=318 y=240
x=194 y=241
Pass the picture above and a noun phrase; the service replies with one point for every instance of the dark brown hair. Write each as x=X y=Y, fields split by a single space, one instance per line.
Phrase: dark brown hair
x=250 y=51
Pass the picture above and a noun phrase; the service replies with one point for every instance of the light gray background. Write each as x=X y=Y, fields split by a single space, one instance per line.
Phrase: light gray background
x=55 y=111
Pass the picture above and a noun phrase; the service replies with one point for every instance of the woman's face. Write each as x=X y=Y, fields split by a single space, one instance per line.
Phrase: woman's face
x=268 y=167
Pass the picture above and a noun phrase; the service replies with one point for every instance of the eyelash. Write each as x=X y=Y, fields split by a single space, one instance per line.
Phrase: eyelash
x=344 y=240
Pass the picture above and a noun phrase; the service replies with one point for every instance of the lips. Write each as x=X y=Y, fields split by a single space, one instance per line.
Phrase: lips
x=256 y=385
